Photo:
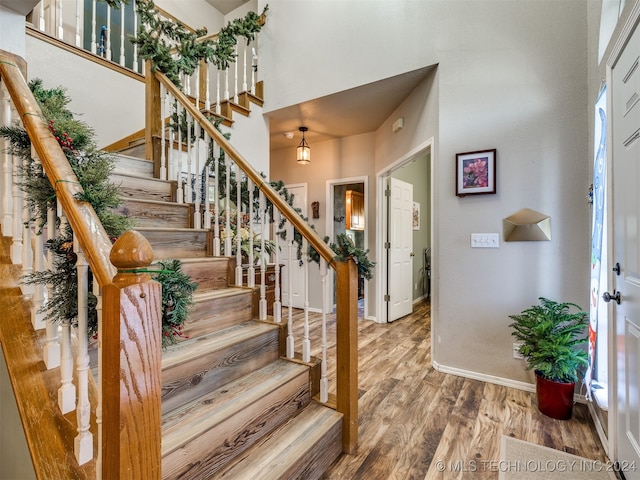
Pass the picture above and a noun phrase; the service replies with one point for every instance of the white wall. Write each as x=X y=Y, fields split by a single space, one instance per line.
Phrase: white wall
x=194 y=13
x=12 y=32
x=511 y=76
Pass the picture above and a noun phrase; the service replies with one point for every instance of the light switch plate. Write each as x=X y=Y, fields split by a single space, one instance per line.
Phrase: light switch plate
x=485 y=240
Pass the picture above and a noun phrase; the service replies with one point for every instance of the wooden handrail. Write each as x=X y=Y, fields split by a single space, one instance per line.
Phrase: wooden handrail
x=82 y=217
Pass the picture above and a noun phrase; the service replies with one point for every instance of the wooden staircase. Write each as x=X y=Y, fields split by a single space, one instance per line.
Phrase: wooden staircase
x=232 y=406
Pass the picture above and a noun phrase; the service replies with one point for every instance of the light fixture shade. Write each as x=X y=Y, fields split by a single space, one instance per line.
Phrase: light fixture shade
x=303 y=151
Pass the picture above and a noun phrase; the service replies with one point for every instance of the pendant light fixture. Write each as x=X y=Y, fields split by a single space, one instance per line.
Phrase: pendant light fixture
x=303 y=151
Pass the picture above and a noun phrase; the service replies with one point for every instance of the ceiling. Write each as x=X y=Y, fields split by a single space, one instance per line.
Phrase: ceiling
x=23 y=7
x=226 y=6
x=351 y=112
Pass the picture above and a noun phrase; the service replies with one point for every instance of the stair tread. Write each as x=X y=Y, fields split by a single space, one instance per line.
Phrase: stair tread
x=193 y=348
x=186 y=423
x=171 y=229
x=200 y=295
x=274 y=455
x=154 y=202
x=135 y=176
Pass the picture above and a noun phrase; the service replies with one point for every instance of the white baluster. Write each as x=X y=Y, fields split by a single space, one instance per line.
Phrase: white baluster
x=277 y=304
x=254 y=67
x=290 y=339
x=98 y=294
x=238 y=226
x=227 y=203
x=306 y=343
x=83 y=442
x=67 y=390
x=262 y=305
x=199 y=185
x=41 y=23
x=94 y=46
x=324 y=382
x=38 y=318
x=226 y=85
x=7 y=166
x=51 y=350
x=244 y=68
x=16 y=245
x=207 y=97
x=171 y=170
x=78 y=19
x=163 y=148
x=179 y=192
x=108 y=35
x=122 y=35
x=59 y=20
x=236 y=79
x=216 y=200
x=207 y=199
x=251 y=271
x=188 y=191
x=27 y=247
x=218 y=91
x=135 y=45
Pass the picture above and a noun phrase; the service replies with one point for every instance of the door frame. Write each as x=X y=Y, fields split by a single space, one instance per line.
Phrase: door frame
x=382 y=226
x=625 y=35
x=330 y=184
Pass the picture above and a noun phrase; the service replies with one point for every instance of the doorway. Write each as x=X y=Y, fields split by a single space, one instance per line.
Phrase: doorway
x=347 y=200
x=415 y=167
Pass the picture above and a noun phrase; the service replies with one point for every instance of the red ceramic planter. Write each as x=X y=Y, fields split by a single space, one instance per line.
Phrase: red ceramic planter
x=555 y=399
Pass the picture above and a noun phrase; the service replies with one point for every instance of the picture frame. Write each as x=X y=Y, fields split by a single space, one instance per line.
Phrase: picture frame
x=476 y=173
x=416 y=216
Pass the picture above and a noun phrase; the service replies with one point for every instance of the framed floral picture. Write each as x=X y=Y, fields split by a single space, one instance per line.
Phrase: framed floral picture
x=476 y=173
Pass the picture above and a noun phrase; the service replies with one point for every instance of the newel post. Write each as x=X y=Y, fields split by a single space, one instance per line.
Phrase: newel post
x=347 y=351
x=131 y=356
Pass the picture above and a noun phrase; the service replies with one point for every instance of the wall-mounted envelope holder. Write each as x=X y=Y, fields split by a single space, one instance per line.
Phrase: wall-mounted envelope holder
x=527 y=225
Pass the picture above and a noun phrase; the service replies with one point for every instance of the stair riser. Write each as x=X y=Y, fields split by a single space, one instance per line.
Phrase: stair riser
x=177 y=244
x=185 y=382
x=218 y=313
x=215 y=448
x=316 y=461
x=209 y=275
x=157 y=215
x=144 y=188
x=134 y=166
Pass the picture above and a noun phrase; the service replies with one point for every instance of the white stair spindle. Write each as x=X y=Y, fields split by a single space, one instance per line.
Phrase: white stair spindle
x=207 y=200
x=135 y=32
x=41 y=23
x=79 y=8
x=188 y=190
x=251 y=272
x=277 y=304
x=16 y=245
x=163 y=148
x=67 y=390
x=94 y=45
x=244 y=67
x=38 y=318
x=216 y=200
x=254 y=67
x=324 y=382
x=108 y=35
x=199 y=186
x=262 y=305
x=290 y=339
x=7 y=165
x=59 y=22
x=51 y=350
x=179 y=192
x=218 y=91
x=207 y=96
x=27 y=246
x=122 y=35
x=83 y=442
x=226 y=85
x=306 y=343
x=238 y=226
x=171 y=168
x=236 y=80
x=227 y=203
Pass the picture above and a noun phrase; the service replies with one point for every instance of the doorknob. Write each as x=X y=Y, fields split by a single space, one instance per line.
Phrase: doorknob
x=607 y=297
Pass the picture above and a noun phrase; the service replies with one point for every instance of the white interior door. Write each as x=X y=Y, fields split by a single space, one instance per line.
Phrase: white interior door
x=625 y=145
x=400 y=238
x=295 y=271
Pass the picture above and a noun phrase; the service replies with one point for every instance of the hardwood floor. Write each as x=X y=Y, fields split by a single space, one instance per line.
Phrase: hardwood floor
x=411 y=417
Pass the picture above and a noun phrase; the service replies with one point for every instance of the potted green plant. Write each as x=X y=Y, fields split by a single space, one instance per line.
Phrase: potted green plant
x=552 y=336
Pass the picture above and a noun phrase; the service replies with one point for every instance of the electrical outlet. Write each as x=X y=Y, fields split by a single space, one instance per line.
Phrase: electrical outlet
x=516 y=351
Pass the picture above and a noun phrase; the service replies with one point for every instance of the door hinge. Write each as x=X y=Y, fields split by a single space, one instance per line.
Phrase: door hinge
x=387 y=245
x=387 y=298
x=387 y=192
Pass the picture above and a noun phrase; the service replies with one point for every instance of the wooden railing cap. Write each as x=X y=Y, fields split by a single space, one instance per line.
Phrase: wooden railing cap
x=131 y=251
